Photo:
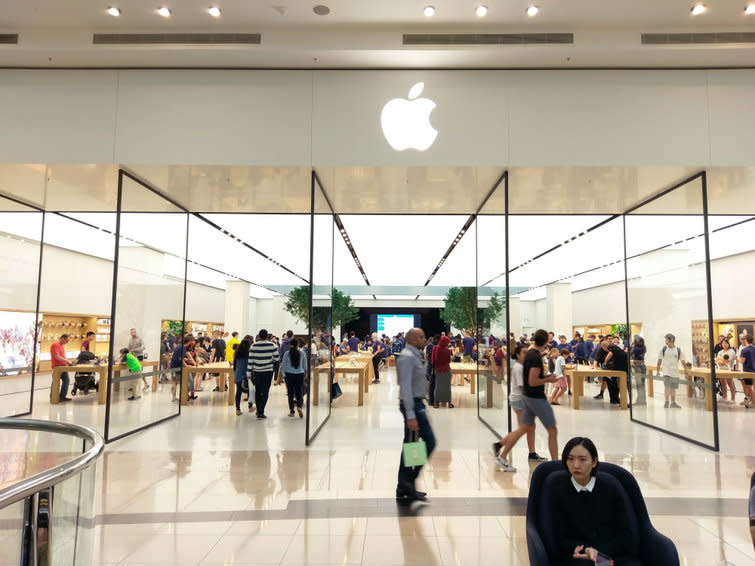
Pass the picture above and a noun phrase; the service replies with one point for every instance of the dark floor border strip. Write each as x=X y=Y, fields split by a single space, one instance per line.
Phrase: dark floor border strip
x=441 y=507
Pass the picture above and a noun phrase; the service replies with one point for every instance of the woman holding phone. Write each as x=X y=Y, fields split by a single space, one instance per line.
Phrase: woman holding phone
x=593 y=520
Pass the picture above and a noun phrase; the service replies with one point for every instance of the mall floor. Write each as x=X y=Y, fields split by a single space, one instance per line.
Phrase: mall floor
x=211 y=488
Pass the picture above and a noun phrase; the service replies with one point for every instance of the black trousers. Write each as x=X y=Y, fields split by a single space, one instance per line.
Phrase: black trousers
x=375 y=364
x=262 y=381
x=612 y=383
x=295 y=386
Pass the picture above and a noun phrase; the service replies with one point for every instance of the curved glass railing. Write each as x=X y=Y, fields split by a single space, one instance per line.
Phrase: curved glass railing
x=47 y=479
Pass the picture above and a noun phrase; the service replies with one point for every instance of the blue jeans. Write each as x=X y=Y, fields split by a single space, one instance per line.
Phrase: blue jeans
x=407 y=475
x=239 y=391
x=64 y=382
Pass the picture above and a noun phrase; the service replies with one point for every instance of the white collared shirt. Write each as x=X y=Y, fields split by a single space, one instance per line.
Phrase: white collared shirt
x=589 y=487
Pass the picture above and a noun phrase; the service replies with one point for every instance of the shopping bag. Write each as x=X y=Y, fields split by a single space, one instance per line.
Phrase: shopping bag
x=415 y=451
x=335 y=390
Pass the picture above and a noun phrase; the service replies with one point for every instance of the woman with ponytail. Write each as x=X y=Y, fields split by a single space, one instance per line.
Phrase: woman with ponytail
x=294 y=366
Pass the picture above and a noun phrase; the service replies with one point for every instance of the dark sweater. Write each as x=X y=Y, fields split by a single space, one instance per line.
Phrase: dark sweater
x=599 y=519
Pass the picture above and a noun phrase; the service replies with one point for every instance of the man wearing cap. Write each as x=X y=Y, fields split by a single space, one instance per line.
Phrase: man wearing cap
x=669 y=359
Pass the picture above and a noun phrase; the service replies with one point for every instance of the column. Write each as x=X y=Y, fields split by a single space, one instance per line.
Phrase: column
x=558 y=309
x=237 y=308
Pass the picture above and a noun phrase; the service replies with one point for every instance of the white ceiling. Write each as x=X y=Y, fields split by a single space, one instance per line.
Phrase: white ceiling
x=361 y=34
x=550 y=207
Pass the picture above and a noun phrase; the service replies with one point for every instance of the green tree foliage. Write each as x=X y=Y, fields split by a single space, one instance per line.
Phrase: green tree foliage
x=342 y=309
x=461 y=310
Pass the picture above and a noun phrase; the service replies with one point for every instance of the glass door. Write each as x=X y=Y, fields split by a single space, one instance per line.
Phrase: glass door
x=668 y=290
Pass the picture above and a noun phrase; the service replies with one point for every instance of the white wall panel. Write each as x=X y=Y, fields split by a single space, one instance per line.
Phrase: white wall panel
x=214 y=117
x=608 y=118
x=57 y=116
x=470 y=116
x=732 y=122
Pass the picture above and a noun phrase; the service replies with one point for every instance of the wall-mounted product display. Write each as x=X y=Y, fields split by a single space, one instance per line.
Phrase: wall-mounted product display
x=700 y=343
x=53 y=325
x=192 y=327
x=603 y=329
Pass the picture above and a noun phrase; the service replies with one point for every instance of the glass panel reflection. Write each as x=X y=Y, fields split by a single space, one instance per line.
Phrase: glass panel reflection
x=150 y=290
x=668 y=293
x=321 y=323
x=19 y=253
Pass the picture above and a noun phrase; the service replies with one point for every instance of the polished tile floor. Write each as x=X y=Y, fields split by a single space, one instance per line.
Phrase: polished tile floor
x=211 y=488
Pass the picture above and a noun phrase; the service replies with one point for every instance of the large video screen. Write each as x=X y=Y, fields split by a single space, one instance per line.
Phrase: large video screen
x=16 y=340
x=392 y=324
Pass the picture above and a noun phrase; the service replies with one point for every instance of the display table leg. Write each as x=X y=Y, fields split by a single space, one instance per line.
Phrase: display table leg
x=362 y=379
x=314 y=395
x=472 y=382
x=708 y=392
x=185 y=374
x=649 y=384
x=489 y=393
x=102 y=387
x=155 y=378
x=231 y=392
x=623 y=391
x=55 y=387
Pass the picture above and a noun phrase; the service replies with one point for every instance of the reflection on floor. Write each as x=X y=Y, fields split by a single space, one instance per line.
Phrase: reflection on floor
x=211 y=488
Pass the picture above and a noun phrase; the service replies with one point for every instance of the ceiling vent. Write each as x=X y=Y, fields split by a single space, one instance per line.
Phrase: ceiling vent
x=487 y=38
x=177 y=39
x=697 y=38
x=8 y=39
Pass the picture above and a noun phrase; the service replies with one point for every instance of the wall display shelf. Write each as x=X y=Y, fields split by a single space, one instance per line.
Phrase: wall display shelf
x=52 y=325
x=598 y=329
x=700 y=343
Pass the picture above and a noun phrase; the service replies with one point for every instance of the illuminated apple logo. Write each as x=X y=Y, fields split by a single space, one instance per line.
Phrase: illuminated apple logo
x=406 y=123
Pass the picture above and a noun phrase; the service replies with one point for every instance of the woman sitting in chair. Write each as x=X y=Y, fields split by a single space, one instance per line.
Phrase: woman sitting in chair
x=592 y=524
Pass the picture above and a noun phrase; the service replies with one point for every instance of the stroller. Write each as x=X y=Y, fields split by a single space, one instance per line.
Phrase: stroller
x=84 y=380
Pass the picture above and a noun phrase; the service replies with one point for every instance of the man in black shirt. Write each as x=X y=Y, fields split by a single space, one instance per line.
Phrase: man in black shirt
x=217 y=354
x=535 y=403
x=615 y=359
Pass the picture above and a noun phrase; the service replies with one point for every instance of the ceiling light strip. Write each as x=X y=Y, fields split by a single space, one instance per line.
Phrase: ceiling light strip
x=246 y=245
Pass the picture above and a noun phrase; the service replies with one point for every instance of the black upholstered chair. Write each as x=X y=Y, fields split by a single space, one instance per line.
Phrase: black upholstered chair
x=655 y=548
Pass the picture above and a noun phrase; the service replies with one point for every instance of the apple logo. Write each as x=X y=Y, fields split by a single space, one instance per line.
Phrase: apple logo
x=406 y=123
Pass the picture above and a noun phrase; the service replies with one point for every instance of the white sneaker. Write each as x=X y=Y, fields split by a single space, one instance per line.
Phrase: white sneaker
x=748 y=403
x=145 y=388
x=503 y=463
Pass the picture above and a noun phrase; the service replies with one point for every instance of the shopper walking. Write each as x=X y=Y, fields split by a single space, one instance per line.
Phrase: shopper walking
x=535 y=403
x=441 y=359
x=58 y=358
x=412 y=384
x=263 y=356
x=294 y=366
x=240 y=372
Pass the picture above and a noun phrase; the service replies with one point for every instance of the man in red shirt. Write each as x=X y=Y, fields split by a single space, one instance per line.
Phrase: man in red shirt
x=58 y=358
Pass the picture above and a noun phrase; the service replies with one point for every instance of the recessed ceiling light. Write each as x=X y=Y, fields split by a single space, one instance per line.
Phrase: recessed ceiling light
x=113 y=11
x=214 y=11
x=750 y=9
x=321 y=10
x=429 y=11
x=699 y=9
x=164 y=12
x=481 y=11
x=532 y=10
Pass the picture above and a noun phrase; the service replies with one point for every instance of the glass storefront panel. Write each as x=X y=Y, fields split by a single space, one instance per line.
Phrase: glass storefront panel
x=320 y=385
x=667 y=290
x=493 y=367
x=19 y=345
x=151 y=267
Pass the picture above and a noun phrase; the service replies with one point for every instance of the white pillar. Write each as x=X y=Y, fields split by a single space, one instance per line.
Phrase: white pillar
x=515 y=316
x=558 y=309
x=237 y=308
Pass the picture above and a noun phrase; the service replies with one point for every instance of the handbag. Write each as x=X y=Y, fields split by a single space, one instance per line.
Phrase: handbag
x=335 y=390
x=415 y=452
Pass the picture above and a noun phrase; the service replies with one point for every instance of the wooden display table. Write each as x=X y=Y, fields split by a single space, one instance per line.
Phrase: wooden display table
x=580 y=373
x=465 y=368
x=223 y=369
x=101 y=371
x=361 y=366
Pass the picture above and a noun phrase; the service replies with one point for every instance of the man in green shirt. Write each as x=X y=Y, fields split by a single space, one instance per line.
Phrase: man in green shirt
x=135 y=368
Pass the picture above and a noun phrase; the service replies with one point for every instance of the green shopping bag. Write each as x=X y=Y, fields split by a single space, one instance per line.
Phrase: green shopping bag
x=415 y=452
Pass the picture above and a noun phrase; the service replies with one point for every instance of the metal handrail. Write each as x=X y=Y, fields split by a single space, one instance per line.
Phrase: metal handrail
x=48 y=478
